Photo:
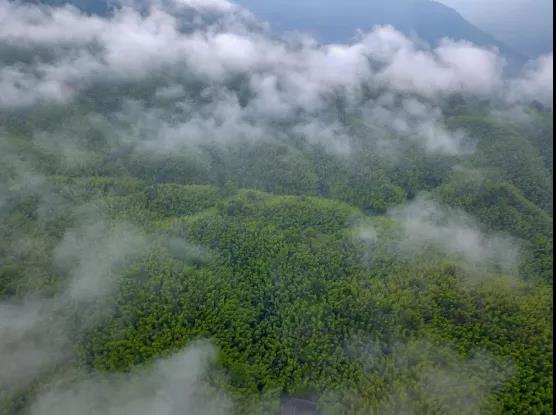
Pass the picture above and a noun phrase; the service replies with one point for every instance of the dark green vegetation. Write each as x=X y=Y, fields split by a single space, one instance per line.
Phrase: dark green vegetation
x=284 y=255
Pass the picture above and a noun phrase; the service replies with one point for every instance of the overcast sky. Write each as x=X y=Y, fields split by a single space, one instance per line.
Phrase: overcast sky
x=526 y=25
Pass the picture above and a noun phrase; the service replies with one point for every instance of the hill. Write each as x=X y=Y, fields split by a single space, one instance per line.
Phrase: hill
x=338 y=21
x=199 y=218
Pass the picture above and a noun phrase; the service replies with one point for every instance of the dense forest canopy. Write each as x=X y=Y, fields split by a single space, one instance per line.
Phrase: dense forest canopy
x=199 y=217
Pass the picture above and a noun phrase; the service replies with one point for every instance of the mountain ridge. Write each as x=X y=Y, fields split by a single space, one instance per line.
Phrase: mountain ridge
x=427 y=20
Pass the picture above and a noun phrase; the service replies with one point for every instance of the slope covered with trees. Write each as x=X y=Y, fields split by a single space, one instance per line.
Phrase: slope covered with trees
x=302 y=284
x=169 y=244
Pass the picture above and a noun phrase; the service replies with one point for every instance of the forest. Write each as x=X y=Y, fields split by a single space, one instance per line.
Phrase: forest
x=219 y=238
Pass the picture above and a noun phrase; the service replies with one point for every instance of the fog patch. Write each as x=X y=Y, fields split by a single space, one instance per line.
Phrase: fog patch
x=428 y=225
x=175 y=385
x=410 y=120
x=36 y=333
x=452 y=66
x=93 y=254
x=536 y=83
x=33 y=340
x=217 y=41
x=451 y=384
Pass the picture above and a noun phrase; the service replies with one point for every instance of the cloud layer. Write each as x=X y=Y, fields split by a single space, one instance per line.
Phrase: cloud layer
x=216 y=41
x=217 y=75
x=171 y=386
x=207 y=72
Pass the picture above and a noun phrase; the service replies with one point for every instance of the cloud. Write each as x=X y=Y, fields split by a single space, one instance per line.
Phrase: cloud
x=220 y=77
x=283 y=76
x=536 y=83
x=129 y=44
x=416 y=121
x=175 y=385
x=36 y=333
x=219 y=6
x=21 y=88
x=94 y=253
x=450 y=384
x=33 y=340
x=249 y=80
x=421 y=373
x=448 y=68
x=428 y=225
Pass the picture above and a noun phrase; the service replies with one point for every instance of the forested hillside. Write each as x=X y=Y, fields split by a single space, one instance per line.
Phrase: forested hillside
x=198 y=218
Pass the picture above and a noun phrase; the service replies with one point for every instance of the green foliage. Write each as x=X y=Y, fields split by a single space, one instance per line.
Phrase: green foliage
x=291 y=306
x=178 y=200
x=504 y=208
x=504 y=152
x=261 y=248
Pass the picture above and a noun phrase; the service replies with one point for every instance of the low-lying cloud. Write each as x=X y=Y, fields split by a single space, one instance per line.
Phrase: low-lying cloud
x=217 y=40
x=94 y=253
x=175 y=385
x=33 y=340
x=36 y=332
x=428 y=225
x=221 y=76
x=537 y=82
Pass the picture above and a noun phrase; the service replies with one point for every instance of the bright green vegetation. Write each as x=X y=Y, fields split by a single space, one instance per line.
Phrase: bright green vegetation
x=262 y=248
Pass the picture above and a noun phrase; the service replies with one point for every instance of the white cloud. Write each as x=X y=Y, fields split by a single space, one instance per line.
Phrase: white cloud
x=171 y=386
x=35 y=333
x=450 y=67
x=299 y=74
x=428 y=225
x=417 y=121
x=216 y=43
x=94 y=253
x=220 y=6
x=32 y=340
x=537 y=82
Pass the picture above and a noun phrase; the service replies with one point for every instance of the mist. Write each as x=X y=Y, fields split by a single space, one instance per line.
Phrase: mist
x=141 y=150
x=426 y=224
x=170 y=386
x=239 y=47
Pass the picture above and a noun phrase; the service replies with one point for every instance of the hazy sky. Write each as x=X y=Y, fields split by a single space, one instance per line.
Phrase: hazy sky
x=525 y=25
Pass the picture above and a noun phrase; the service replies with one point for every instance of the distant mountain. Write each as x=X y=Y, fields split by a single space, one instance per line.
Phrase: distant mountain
x=100 y=7
x=524 y=25
x=338 y=20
